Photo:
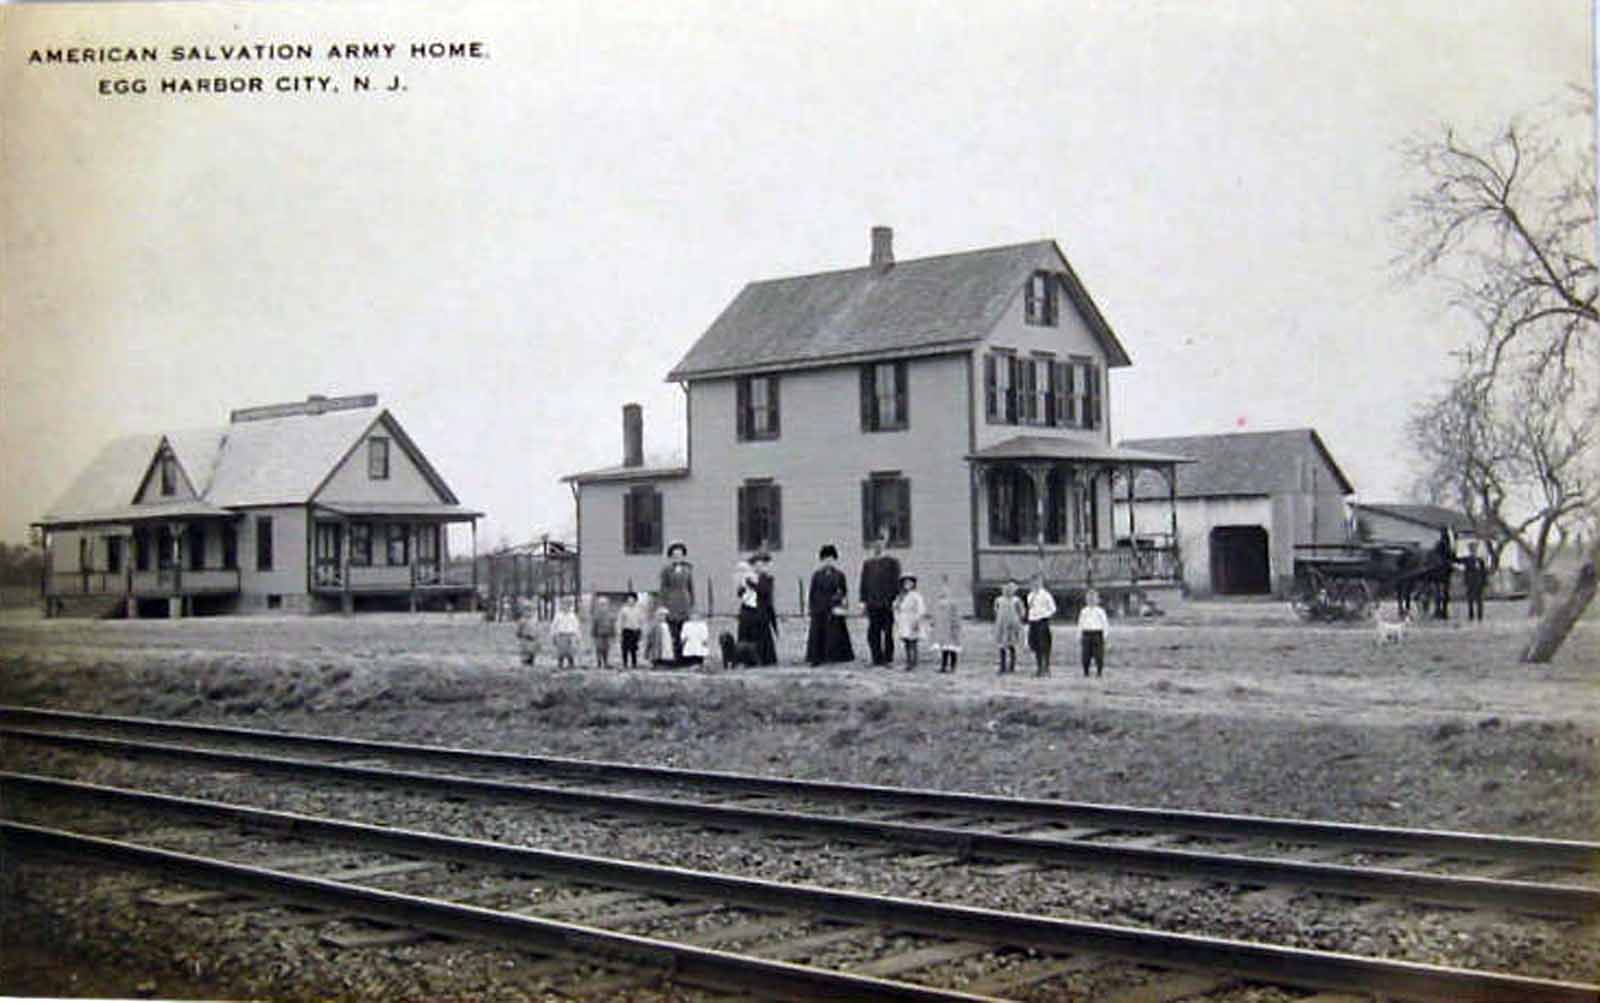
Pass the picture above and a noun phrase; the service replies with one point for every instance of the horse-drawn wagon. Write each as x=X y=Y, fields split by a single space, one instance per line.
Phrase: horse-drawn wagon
x=1342 y=581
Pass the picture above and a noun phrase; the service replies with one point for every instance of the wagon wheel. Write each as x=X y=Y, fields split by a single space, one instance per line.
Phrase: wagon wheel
x=1354 y=598
x=1305 y=603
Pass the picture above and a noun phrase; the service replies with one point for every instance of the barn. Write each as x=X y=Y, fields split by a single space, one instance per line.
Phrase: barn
x=1243 y=505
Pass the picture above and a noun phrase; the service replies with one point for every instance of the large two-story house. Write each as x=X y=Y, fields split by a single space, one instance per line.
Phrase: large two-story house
x=957 y=403
x=325 y=504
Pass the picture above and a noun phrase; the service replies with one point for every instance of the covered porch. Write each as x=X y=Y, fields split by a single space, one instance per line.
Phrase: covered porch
x=1045 y=503
x=387 y=551
x=162 y=560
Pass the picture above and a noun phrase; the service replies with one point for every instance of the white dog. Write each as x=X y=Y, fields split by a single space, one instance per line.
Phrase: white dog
x=1391 y=631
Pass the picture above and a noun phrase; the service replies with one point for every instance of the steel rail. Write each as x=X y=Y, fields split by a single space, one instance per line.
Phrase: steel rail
x=1531 y=851
x=1259 y=962
x=1540 y=898
x=694 y=965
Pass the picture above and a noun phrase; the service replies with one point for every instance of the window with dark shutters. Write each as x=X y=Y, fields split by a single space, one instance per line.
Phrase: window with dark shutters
x=760 y=512
x=1013 y=378
x=1091 y=379
x=991 y=397
x=756 y=404
x=886 y=508
x=884 y=397
x=1039 y=306
x=641 y=520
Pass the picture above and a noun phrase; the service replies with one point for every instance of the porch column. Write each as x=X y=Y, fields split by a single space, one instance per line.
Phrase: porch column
x=175 y=602
x=46 y=566
x=474 y=524
x=1039 y=473
x=1133 y=529
x=415 y=535
x=347 y=602
x=1086 y=520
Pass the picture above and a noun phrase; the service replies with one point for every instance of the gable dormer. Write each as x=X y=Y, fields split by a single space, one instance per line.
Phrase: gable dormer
x=383 y=464
x=165 y=480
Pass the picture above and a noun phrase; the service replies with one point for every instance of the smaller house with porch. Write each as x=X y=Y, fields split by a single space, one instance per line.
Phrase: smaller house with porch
x=320 y=505
x=1243 y=506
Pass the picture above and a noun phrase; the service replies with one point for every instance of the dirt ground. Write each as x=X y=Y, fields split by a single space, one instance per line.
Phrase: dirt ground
x=1230 y=707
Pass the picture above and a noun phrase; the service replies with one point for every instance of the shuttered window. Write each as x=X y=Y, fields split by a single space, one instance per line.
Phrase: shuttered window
x=641 y=520
x=757 y=406
x=760 y=505
x=884 y=397
x=886 y=509
x=1039 y=307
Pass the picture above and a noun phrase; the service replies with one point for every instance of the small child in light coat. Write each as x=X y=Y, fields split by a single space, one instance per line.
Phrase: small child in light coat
x=658 y=643
x=530 y=636
x=695 y=638
x=1007 y=627
x=602 y=627
x=909 y=612
x=564 y=631
x=946 y=628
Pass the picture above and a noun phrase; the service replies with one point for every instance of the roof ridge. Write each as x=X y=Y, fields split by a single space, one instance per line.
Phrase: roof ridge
x=900 y=262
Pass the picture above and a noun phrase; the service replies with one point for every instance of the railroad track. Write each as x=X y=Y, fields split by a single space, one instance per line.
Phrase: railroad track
x=1539 y=876
x=748 y=935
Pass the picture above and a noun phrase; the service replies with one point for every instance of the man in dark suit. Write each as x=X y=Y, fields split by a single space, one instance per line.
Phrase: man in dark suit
x=1475 y=575
x=879 y=586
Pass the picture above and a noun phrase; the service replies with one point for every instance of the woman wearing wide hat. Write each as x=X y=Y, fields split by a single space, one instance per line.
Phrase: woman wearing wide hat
x=676 y=594
x=829 y=638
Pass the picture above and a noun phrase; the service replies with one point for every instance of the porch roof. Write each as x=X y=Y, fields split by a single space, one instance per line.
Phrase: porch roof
x=187 y=509
x=433 y=510
x=1056 y=448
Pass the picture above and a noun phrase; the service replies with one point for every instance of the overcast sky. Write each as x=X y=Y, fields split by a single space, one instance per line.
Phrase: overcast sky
x=511 y=248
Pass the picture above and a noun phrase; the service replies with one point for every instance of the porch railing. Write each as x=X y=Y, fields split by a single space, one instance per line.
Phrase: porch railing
x=87 y=583
x=377 y=577
x=189 y=581
x=1119 y=566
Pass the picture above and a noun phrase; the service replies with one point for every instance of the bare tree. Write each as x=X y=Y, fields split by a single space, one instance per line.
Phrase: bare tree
x=1509 y=226
x=1517 y=454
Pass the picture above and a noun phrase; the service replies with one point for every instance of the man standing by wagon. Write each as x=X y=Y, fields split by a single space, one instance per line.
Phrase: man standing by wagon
x=1475 y=576
x=879 y=587
x=677 y=592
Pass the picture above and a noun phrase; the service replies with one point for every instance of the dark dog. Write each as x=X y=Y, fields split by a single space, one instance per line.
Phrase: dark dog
x=736 y=654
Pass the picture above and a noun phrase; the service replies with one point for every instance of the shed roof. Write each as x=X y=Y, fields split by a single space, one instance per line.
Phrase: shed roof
x=1240 y=463
x=1431 y=516
x=915 y=307
x=1046 y=447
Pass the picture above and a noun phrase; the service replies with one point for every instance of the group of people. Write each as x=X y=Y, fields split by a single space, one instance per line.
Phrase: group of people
x=1432 y=580
x=897 y=615
x=896 y=611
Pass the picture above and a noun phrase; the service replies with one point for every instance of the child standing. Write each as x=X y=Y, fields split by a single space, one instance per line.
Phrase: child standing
x=630 y=619
x=1041 y=607
x=658 y=646
x=1092 y=634
x=602 y=627
x=530 y=635
x=1007 y=627
x=564 y=631
x=946 y=627
x=909 y=610
x=695 y=637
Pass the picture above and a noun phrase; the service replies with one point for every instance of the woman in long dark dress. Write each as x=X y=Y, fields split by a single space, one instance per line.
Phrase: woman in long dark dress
x=766 y=640
x=829 y=639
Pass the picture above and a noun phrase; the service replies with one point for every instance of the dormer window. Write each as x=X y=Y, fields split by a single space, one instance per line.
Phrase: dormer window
x=1040 y=299
x=169 y=475
x=378 y=459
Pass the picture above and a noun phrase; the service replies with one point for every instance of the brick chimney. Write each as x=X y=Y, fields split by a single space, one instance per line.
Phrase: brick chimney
x=882 y=249
x=632 y=435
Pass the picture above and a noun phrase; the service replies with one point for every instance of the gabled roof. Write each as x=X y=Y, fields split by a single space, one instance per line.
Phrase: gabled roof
x=1431 y=516
x=916 y=307
x=1239 y=463
x=627 y=473
x=275 y=461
